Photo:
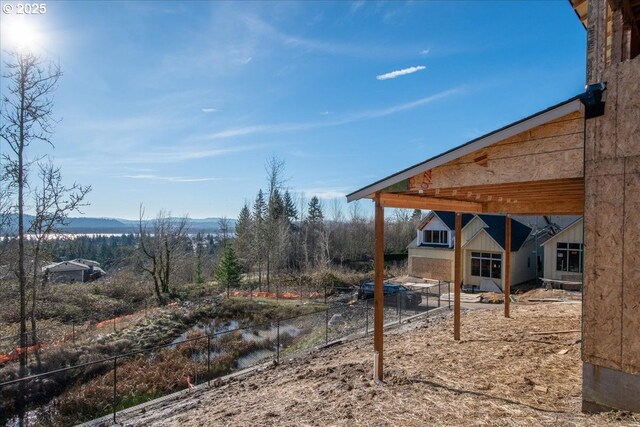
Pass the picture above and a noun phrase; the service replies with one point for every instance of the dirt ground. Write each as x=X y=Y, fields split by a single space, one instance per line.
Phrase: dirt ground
x=499 y=374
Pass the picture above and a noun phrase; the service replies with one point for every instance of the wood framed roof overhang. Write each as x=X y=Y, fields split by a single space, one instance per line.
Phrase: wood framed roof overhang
x=533 y=166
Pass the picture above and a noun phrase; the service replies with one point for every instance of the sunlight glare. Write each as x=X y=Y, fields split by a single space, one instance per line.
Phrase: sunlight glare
x=22 y=35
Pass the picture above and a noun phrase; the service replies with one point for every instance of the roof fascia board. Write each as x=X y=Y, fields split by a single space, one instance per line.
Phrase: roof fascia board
x=524 y=125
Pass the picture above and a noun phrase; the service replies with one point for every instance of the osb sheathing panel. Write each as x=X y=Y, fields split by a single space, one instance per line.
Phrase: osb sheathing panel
x=606 y=140
x=631 y=269
x=603 y=270
x=613 y=166
x=550 y=151
x=431 y=268
x=628 y=108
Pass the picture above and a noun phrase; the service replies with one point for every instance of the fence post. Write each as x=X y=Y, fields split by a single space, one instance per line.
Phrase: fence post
x=115 y=381
x=209 y=359
x=326 y=325
x=439 y=293
x=427 y=299
x=449 y=293
x=366 y=317
x=278 y=341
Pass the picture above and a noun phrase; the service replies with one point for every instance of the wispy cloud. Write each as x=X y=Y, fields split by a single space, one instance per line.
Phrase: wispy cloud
x=209 y=110
x=177 y=179
x=247 y=60
x=258 y=26
x=357 y=117
x=425 y=52
x=398 y=73
x=183 y=154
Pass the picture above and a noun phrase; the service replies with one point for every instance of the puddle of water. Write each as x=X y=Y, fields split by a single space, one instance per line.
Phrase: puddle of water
x=213 y=327
x=254 y=358
x=271 y=333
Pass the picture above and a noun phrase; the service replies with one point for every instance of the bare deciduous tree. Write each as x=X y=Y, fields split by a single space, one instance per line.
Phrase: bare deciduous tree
x=25 y=118
x=53 y=202
x=161 y=248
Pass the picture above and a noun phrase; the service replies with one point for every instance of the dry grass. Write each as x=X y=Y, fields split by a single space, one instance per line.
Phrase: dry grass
x=498 y=375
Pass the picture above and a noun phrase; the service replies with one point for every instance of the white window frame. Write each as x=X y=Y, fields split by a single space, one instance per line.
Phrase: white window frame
x=486 y=257
x=565 y=256
x=441 y=233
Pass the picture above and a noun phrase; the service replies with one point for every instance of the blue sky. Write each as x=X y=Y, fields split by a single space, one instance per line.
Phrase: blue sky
x=178 y=105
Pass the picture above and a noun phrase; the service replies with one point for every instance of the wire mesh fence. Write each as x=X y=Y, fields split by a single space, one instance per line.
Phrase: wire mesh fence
x=92 y=388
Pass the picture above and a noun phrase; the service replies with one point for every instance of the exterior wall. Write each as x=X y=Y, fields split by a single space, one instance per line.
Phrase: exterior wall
x=611 y=230
x=482 y=242
x=66 y=276
x=475 y=225
x=572 y=235
x=432 y=263
x=523 y=264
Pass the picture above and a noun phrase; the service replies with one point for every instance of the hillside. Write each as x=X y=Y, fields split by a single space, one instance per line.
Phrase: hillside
x=498 y=375
x=90 y=225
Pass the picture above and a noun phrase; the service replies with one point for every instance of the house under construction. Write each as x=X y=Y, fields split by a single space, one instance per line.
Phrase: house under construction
x=580 y=157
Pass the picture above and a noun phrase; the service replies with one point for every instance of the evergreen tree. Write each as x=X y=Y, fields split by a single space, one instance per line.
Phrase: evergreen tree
x=276 y=206
x=315 y=210
x=228 y=270
x=243 y=238
x=290 y=210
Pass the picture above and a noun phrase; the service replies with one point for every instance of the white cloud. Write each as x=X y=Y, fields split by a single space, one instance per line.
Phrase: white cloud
x=246 y=61
x=325 y=193
x=425 y=52
x=209 y=110
x=324 y=113
x=403 y=72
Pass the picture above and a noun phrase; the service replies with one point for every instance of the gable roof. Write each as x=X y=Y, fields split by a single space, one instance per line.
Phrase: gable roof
x=496 y=229
x=65 y=266
x=552 y=113
x=449 y=218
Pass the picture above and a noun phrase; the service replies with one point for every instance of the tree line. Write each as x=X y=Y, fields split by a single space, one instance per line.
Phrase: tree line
x=281 y=231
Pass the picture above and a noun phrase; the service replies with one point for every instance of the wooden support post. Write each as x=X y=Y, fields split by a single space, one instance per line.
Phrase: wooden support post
x=507 y=265
x=378 y=293
x=458 y=278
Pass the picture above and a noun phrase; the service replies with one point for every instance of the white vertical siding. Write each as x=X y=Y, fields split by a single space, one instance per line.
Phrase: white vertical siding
x=482 y=242
x=475 y=225
x=573 y=234
x=523 y=264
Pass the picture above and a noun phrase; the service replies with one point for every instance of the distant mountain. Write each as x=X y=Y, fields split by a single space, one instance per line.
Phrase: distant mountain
x=91 y=225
